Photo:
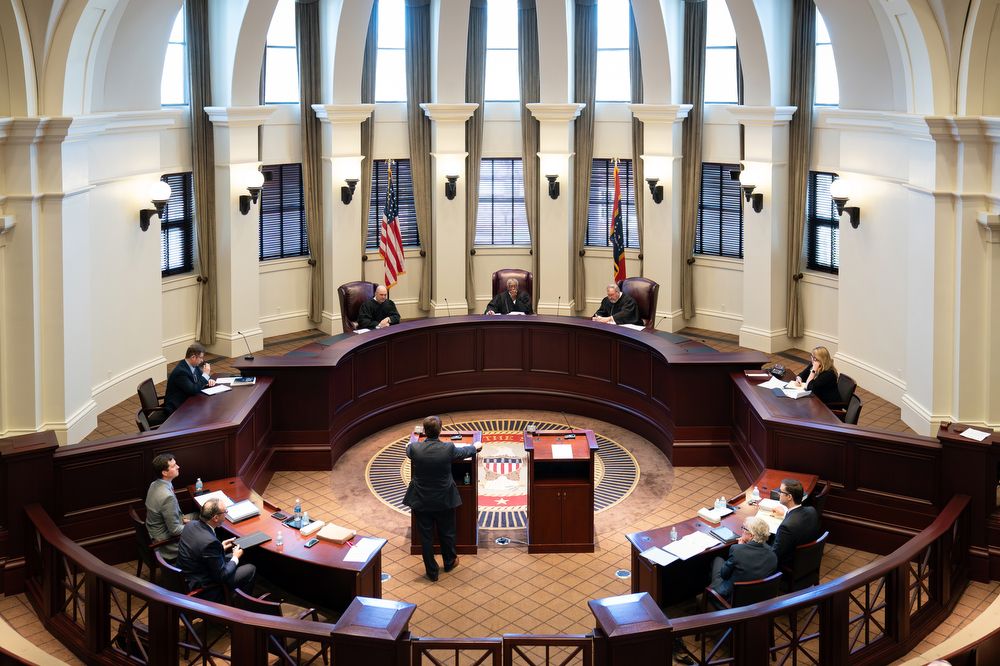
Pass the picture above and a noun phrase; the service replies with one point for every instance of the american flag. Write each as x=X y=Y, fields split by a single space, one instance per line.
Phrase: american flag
x=390 y=243
x=617 y=237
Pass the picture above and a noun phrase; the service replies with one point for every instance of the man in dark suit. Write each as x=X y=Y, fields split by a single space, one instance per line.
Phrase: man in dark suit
x=202 y=557
x=187 y=378
x=378 y=312
x=617 y=308
x=750 y=559
x=432 y=494
x=800 y=525
x=510 y=301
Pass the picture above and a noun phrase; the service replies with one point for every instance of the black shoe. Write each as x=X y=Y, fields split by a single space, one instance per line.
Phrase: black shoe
x=432 y=577
x=683 y=658
x=449 y=567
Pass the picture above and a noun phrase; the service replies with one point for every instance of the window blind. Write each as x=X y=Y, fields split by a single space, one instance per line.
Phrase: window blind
x=501 y=218
x=602 y=202
x=283 y=231
x=720 y=212
x=403 y=182
x=177 y=226
x=822 y=224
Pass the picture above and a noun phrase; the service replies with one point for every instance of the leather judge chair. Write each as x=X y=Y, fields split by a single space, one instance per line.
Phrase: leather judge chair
x=525 y=280
x=151 y=403
x=804 y=570
x=645 y=292
x=352 y=295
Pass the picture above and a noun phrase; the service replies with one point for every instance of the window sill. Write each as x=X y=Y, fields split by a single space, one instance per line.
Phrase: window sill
x=502 y=250
x=721 y=263
x=284 y=264
x=820 y=278
x=180 y=281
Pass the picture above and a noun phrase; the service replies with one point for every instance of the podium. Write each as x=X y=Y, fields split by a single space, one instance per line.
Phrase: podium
x=467 y=515
x=560 y=491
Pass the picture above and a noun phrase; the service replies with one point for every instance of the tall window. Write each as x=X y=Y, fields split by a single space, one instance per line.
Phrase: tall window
x=502 y=79
x=602 y=202
x=177 y=226
x=173 y=84
x=282 y=213
x=822 y=225
x=720 y=56
x=501 y=219
x=720 y=212
x=281 y=67
x=613 y=75
x=403 y=182
x=390 y=67
x=827 y=85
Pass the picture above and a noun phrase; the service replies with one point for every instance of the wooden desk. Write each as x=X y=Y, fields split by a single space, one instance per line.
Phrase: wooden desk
x=560 y=492
x=684 y=579
x=466 y=515
x=318 y=574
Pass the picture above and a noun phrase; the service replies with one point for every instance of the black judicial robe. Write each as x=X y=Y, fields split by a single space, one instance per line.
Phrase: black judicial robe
x=624 y=310
x=372 y=312
x=502 y=303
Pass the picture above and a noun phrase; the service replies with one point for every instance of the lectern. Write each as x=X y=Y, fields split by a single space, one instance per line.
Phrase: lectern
x=560 y=491
x=466 y=478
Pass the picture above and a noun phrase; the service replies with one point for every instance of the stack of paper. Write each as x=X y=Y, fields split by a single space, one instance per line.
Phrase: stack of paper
x=241 y=511
x=218 y=494
x=691 y=545
x=634 y=327
x=363 y=549
x=562 y=451
x=772 y=520
x=218 y=388
x=773 y=383
x=714 y=516
x=659 y=556
x=972 y=433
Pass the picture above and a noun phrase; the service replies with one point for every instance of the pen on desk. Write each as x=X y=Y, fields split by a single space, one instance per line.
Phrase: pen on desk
x=351 y=544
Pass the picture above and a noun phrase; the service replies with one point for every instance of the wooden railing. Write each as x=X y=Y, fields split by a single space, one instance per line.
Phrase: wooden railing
x=871 y=616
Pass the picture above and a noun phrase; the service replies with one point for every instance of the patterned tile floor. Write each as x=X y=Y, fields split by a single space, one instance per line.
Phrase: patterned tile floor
x=503 y=589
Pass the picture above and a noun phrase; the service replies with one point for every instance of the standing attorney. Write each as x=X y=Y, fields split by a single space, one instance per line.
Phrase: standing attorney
x=187 y=378
x=432 y=494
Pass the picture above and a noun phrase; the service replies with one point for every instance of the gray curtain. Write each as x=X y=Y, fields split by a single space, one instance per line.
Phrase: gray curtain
x=638 y=172
x=368 y=129
x=418 y=91
x=475 y=86
x=799 y=146
x=202 y=162
x=695 y=25
x=527 y=69
x=307 y=40
x=585 y=73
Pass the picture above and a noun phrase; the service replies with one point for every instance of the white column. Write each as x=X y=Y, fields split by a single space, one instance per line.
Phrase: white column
x=765 y=234
x=448 y=226
x=555 y=228
x=237 y=236
x=342 y=235
x=661 y=230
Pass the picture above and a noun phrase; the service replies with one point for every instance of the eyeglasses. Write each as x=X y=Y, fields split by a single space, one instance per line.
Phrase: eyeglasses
x=784 y=492
x=746 y=529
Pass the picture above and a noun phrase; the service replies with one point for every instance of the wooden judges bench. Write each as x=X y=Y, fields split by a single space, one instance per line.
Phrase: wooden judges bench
x=698 y=408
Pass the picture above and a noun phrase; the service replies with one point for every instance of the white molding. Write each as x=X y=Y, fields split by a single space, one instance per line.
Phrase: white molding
x=78 y=425
x=281 y=265
x=555 y=112
x=458 y=308
x=449 y=113
x=766 y=116
x=175 y=282
x=915 y=415
x=991 y=223
x=126 y=122
x=769 y=341
x=113 y=390
x=283 y=323
x=239 y=116
x=718 y=263
x=343 y=113
x=502 y=251
x=660 y=113
x=907 y=125
x=874 y=379
x=174 y=348
x=828 y=280
x=670 y=321
x=555 y=308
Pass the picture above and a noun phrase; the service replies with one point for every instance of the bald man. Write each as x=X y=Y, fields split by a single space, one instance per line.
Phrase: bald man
x=378 y=312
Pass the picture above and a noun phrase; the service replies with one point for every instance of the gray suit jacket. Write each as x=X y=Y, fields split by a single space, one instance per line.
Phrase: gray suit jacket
x=163 y=516
x=432 y=487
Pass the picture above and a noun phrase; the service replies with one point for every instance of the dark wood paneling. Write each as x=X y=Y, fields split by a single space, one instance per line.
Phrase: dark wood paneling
x=456 y=351
x=340 y=389
x=371 y=370
x=244 y=444
x=661 y=382
x=503 y=348
x=593 y=356
x=549 y=351
x=416 y=349
x=896 y=473
x=634 y=371
x=827 y=459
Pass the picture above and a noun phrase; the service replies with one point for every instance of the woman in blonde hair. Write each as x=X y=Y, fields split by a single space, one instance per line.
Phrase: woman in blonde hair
x=820 y=376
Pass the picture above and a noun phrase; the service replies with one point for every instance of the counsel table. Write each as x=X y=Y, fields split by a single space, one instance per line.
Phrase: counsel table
x=682 y=580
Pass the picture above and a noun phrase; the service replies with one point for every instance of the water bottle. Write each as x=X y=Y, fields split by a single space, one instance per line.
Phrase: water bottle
x=467 y=479
x=298 y=512
x=673 y=534
x=305 y=518
x=722 y=502
x=279 y=539
x=198 y=485
x=718 y=502
x=755 y=495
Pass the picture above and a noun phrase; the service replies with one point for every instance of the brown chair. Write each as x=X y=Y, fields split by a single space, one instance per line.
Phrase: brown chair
x=845 y=387
x=352 y=295
x=745 y=593
x=142 y=423
x=145 y=546
x=525 y=280
x=804 y=571
x=817 y=500
x=172 y=578
x=853 y=412
x=645 y=292
x=282 y=649
x=151 y=403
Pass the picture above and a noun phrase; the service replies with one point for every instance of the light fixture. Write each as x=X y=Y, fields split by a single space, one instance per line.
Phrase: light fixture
x=450 y=188
x=254 y=182
x=747 y=185
x=159 y=194
x=553 y=185
x=838 y=192
x=347 y=191
x=655 y=190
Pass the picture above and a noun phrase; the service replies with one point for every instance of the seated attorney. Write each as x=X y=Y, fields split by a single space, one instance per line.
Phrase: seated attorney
x=617 y=308
x=187 y=378
x=378 y=312
x=163 y=514
x=509 y=301
x=800 y=525
x=202 y=557
x=820 y=376
x=749 y=559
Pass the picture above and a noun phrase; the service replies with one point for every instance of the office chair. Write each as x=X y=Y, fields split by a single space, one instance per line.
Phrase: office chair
x=151 y=403
x=845 y=387
x=804 y=571
x=645 y=292
x=283 y=649
x=172 y=578
x=817 y=500
x=352 y=295
x=853 y=412
x=142 y=423
x=145 y=546
x=744 y=593
x=525 y=281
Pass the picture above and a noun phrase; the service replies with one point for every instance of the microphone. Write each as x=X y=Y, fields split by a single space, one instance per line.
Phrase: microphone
x=249 y=356
x=657 y=324
x=559 y=305
x=447 y=305
x=572 y=435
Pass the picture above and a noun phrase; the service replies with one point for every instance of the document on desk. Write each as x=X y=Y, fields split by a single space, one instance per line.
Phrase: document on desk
x=218 y=494
x=657 y=555
x=972 y=433
x=634 y=327
x=218 y=388
x=691 y=545
x=362 y=330
x=773 y=520
x=773 y=383
x=794 y=392
x=363 y=549
x=562 y=451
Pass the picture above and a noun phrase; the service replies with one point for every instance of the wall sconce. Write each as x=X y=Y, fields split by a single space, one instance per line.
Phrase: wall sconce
x=553 y=185
x=655 y=190
x=734 y=174
x=450 y=189
x=159 y=194
x=347 y=191
x=254 y=182
x=838 y=192
x=746 y=179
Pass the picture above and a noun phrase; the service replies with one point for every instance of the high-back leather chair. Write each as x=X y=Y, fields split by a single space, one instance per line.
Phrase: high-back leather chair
x=289 y=649
x=817 y=500
x=352 y=295
x=151 y=403
x=645 y=292
x=853 y=412
x=804 y=570
x=525 y=281
x=746 y=592
x=145 y=546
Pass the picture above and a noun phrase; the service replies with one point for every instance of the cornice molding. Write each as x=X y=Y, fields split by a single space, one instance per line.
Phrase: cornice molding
x=126 y=122
x=660 y=113
x=905 y=124
x=343 y=113
x=545 y=113
x=445 y=113
x=762 y=115
x=991 y=223
x=239 y=116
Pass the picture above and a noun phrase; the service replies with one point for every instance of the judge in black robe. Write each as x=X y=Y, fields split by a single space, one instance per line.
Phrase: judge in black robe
x=509 y=301
x=378 y=312
x=617 y=308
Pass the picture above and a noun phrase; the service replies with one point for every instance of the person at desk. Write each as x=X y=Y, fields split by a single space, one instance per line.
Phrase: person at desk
x=202 y=557
x=617 y=308
x=432 y=494
x=749 y=559
x=820 y=376
x=800 y=525
x=378 y=312
x=510 y=301
x=187 y=378
x=164 y=519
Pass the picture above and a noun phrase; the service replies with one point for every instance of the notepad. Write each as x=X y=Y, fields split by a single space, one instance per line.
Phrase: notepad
x=363 y=549
x=773 y=383
x=562 y=451
x=241 y=511
x=634 y=327
x=218 y=388
x=217 y=494
x=972 y=433
x=659 y=556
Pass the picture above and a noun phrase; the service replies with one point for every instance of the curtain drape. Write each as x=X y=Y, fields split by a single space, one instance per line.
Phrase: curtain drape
x=585 y=88
x=308 y=40
x=368 y=130
x=638 y=172
x=203 y=163
x=418 y=91
x=527 y=69
x=799 y=146
x=475 y=86
x=695 y=25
